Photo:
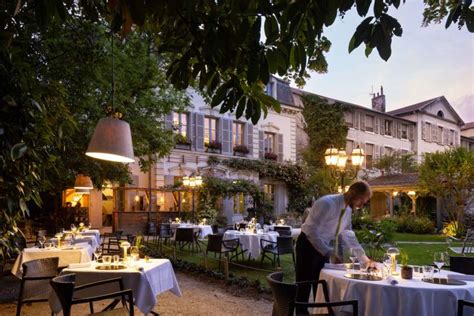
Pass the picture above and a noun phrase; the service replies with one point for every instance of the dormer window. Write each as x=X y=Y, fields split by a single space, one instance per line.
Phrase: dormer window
x=270 y=88
x=440 y=114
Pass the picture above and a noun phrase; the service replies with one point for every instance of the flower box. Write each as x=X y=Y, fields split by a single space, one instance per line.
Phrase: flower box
x=271 y=156
x=241 y=150
x=214 y=147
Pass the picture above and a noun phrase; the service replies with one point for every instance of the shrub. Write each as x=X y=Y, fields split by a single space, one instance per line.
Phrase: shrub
x=361 y=219
x=271 y=156
x=414 y=224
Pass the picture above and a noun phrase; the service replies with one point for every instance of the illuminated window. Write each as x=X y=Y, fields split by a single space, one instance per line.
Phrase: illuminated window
x=237 y=134
x=210 y=130
x=269 y=191
x=180 y=123
x=269 y=142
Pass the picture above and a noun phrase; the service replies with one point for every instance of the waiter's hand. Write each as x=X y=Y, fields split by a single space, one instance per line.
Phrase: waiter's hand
x=373 y=265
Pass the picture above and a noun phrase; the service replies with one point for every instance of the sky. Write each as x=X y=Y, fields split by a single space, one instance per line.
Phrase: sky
x=426 y=62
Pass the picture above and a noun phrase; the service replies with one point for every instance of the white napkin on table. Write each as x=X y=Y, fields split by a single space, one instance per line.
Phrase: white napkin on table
x=464 y=277
x=391 y=280
x=335 y=266
x=79 y=265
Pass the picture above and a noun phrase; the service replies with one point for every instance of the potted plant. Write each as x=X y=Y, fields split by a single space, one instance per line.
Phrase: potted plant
x=214 y=146
x=241 y=150
x=271 y=156
x=406 y=270
x=182 y=142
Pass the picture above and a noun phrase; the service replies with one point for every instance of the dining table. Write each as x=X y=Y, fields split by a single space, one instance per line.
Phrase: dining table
x=80 y=253
x=250 y=241
x=204 y=230
x=395 y=296
x=147 y=279
x=88 y=232
x=79 y=239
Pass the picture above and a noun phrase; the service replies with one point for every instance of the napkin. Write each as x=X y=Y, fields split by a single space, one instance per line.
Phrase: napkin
x=335 y=266
x=79 y=265
x=391 y=280
x=464 y=277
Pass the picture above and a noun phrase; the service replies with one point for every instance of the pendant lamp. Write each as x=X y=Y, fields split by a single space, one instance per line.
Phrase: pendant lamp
x=112 y=138
x=83 y=183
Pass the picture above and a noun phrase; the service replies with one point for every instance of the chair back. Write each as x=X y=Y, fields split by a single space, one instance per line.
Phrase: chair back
x=468 y=243
x=231 y=244
x=283 y=230
x=462 y=264
x=38 y=289
x=118 y=235
x=461 y=304
x=284 y=294
x=63 y=286
x=184 y=234
x=214 y=243
x=165 y=230
x=285 y=244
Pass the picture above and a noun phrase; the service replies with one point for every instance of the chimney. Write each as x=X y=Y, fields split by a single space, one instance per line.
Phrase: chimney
x=378 y=101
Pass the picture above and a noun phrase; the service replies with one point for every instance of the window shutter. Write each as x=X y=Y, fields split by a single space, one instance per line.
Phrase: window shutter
x=394 y=129
x=399 y=133
x=382 y=151
x=249 y=138
x=169 y=121
x=429 y=129
x=411 y=134
x=362 y=121
x=440 y=135
x=199 y=131
x=226 y=136
x=446 y=136
x=191 y=129
x=356 y=120
x=280 y=147
x=382 y=126
x=261 y=144
x=376 y=152
x=456 y=138
x=423 y=130
x=376 y=124
x=434 y=133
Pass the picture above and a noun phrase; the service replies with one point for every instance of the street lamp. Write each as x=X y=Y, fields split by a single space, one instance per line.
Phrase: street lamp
x=342 y=165
x=193 y=183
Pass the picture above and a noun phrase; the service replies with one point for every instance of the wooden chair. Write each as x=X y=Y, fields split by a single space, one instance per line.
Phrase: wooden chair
x=64 y=287
x=35 y=279
x=283 y=246
x=461 y=304
x=284 y=295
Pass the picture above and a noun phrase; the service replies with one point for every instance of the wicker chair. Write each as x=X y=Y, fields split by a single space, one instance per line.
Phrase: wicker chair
x=64 y=287
x=461 y=264
x=35 y=281
x=185 y=237
x=284 y=295
x=283 y=246
x=461 y=304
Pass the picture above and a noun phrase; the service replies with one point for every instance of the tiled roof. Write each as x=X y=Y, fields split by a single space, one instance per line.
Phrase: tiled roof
x=284 y=94
x=397 y=180
x=413 y=107
x=467 y=126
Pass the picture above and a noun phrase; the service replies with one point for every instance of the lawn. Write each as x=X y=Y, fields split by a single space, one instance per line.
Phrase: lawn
x=418 y=254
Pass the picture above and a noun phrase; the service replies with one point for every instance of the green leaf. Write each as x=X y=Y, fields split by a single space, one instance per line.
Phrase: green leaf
x=361 y=34
x=332 y=6
x=368 y=50
x=23 y=207
x=378 y=7
x=363 y=6
x=18 y=150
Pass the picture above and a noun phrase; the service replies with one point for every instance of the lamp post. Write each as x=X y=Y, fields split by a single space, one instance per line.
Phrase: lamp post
x=193 y=183
x=343 y=166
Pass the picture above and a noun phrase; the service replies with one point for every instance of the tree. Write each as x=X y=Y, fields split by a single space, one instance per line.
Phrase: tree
x=449 y=175
x=217 y=46
x=396 y=163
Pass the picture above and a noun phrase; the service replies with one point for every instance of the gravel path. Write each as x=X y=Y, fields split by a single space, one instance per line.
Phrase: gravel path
x=200 y=297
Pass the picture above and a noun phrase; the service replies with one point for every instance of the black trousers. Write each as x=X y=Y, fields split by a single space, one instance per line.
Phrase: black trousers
x=309 y=263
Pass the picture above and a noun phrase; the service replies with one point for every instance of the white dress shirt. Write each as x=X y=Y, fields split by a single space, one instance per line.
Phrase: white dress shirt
x=321 y=224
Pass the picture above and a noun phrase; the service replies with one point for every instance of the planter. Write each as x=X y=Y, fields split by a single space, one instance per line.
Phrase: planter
x=407 y=272
x=183 y=146
x=240 y=154
x=213 y=150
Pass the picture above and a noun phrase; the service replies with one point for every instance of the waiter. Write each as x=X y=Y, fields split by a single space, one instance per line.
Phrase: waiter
x=315 y=244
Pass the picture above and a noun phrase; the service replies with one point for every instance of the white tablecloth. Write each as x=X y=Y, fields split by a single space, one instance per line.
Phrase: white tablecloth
x=408 y=297
x=250 y=241
x=204 y=229
x=90 y=232
x=91 y=240
x=66 y=256
x=157 y=277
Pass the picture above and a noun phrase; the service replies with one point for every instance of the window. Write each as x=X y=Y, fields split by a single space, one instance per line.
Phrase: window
x=440 y=114
x=349 y=147
x=451 y=137
x=440 y=134
x=269 y=142
x=349 y=117
x=369 y=123
x=388 y=127
x=237 y=134
x=404 y=129
x=269 y=191
x=210 y=130
x=369 y=154
x=269 y=89
x=239 y=203
x=388 y=151
x=180 y=123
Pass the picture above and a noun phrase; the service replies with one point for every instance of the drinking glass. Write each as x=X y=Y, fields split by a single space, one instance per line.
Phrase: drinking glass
x=41 y=241
x=353 y=257
x=116 y=260
x=439 y=260
x=97 y=253
x=73 y=227
x=107 y=259
x=428 y=272
x=48 y=245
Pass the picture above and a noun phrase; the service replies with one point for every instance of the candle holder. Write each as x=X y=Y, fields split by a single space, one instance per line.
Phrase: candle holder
x=393 y=252
x=125 y=245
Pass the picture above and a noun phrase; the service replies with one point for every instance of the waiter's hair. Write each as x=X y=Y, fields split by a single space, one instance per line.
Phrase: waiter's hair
x=359 y=188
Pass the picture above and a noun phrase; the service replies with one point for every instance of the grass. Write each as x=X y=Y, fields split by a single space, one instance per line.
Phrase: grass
x=418 y=254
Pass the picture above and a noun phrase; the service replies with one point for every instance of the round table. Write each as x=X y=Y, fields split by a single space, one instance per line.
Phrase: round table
x=408 y=297
x=250 y=241
x=204 y=230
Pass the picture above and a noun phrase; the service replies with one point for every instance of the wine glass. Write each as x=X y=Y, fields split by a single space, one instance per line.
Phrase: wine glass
x=439 y=260
x=97 y=253
x=135 y=253
x=387 y=262
x=41 y=241
x=73 y=227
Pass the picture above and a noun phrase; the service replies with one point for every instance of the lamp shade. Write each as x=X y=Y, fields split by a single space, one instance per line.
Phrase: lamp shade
x=357 y=156
x=112 y=141
x=331 y=156
x=83 y=183
x=341 y=159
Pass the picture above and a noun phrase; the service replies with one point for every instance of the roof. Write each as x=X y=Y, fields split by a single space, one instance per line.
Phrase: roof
x=467 y=126
x=396 y=180
x=283 y=91
x=420 y=106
